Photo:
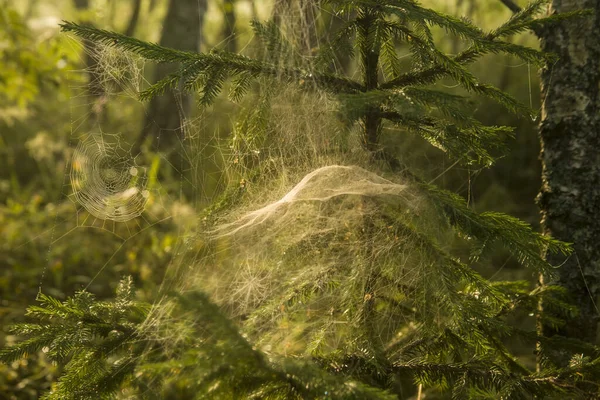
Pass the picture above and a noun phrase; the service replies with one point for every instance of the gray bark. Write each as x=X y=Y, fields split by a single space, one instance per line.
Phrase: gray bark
x=570 y=136
x=181 y=30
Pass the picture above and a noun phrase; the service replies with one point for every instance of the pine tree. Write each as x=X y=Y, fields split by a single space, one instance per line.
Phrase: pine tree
x=444 y=332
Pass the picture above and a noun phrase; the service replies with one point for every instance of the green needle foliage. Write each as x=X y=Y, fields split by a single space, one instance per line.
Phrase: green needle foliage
x=97 y=338
x=110 y=350
x=374 y=319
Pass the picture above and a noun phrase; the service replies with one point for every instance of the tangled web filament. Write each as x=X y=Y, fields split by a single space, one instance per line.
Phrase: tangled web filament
x=106 y=180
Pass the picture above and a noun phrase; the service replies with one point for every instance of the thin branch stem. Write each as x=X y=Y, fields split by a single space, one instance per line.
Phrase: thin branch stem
x=512 y=6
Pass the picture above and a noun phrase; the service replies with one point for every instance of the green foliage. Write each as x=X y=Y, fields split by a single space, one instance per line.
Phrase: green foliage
x=104 y=344
x=444 y=330
x=42 y=238
x=96 y=337
x=376 y=30
x=26 y=66
x=490 y=227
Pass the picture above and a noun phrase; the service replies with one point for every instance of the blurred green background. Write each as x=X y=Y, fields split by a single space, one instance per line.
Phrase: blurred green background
x=55 y=90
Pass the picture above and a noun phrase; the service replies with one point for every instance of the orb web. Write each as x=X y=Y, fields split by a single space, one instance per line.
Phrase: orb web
x=106 y=180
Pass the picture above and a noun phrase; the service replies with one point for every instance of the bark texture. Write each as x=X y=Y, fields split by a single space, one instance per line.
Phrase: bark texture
x=181 y=30
x=570 y=136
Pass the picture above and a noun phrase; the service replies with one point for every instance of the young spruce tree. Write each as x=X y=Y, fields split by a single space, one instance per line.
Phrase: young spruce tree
x=364 y=327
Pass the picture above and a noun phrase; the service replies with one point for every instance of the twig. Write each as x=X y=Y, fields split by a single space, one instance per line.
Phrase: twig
x=511 y=5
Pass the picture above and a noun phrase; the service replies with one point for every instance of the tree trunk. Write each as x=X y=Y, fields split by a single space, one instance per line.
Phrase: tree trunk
x=95 y=86
x=301 y=17
x=134 y=19
x=308 y=31
x=472 y=6
x=570 y=136
x=229 y=26
x=181 y=30
x=371 y=122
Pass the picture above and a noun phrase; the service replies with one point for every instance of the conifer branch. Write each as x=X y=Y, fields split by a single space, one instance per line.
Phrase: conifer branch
x=521 y=19
x=490 y=227
x=150 y=51
x=195 y=65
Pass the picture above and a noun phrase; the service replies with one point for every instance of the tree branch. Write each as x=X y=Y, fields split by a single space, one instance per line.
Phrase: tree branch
x=197 y=62
x=512 y=6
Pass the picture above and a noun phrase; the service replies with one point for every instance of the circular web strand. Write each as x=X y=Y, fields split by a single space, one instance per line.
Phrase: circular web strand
x=106 y=180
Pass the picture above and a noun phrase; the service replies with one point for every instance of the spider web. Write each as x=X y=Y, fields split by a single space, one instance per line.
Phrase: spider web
x=313 y=237
x=114 y=186
x=106 y=181
x=108 y=187
x=304 y=241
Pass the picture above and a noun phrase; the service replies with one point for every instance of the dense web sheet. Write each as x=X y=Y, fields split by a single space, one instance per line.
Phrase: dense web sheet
x=310 y=233
x=320 y=185
x=304 y=239
x=301 y=270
